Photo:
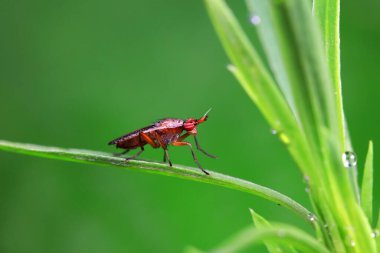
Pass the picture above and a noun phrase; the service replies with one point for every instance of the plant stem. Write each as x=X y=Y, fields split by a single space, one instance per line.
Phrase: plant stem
x=195 y=174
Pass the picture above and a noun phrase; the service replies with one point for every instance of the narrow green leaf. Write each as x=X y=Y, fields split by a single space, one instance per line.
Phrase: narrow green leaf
x=377 y=232
x=195 y=174
x=279 y=234
x=278 y=39
x=317 y=78
x=291 y=57
x=254 y=77
x=367 y=184
x=272 y=247
x=275 y=43
x=328 y=16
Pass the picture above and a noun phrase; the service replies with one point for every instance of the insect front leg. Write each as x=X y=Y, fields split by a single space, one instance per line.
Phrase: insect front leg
x=183 y=143
x=202 y=150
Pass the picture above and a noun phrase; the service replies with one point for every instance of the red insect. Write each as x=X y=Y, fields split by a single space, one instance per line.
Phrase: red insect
x=161 y=134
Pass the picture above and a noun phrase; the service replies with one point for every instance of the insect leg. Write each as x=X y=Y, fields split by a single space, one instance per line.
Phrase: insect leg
x=141 y=136
x=161 y=144
x=166 y=156
x=185 y=135
x=146 y=137
x=122 y=153
x=183 y=143
x=136 y=155
x=201 y=149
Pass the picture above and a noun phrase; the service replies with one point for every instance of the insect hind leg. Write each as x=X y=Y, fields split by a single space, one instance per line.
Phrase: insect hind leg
x=166 y=157
x=135 y=155
x=121 y=153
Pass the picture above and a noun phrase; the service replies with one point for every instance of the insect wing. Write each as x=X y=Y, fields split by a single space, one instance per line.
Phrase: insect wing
x=131 y=135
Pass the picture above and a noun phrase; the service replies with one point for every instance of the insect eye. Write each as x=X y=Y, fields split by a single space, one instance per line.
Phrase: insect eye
x=189 y=126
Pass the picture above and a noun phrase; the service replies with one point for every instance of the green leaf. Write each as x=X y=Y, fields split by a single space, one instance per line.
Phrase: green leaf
x=249 y=68
x=377 y=232
x=255 y=79
x=328 y=15
x=280 y=234
x=367 y=184
x=274 y=40
x=260 y=222
x=278 y=39
x=195 y=174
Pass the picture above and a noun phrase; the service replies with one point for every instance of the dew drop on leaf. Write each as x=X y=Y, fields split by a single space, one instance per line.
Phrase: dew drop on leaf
x=349 y=159
x=311 y=217
x=273 y=131
x=375 y=233
x=255 y=20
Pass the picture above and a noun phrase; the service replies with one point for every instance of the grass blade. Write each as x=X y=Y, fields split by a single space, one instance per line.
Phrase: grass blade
x=328 y=15
x=254 y=77
x=272 y=247
x=377 y=232
x=101 y=158
x=280 y=234
x=367 y=184
x=272 y=38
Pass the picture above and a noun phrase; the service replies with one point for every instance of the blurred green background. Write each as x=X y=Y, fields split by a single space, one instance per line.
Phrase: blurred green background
x=79 y=73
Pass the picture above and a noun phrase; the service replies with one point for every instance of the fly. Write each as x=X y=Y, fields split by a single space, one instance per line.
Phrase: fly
x=165 y=132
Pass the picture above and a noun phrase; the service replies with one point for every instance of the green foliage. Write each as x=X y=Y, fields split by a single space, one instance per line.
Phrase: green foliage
x=260 y=222
x=367 y=184
x=278 y=234
x=300 y=96
x=195 y=174
x=307 y=105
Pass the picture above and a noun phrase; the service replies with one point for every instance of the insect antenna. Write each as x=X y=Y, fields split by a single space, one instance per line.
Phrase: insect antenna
x=207 y=112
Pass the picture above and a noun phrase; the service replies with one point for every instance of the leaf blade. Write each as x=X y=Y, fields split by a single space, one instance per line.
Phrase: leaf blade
x=102 y=158
x=257 y=81
x=279 y=233
x=272 y=247
x=367 y=184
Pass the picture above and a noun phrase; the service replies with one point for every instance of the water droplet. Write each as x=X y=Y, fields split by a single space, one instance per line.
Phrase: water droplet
x=255 y=20
x=352 y=243
x=284 y=138
x=273 y=131
x=311 y=217
x=231 y=67
x=375 y=233
x=349 y=159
